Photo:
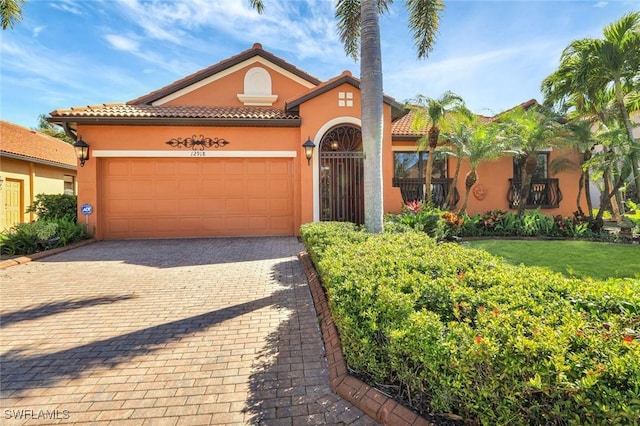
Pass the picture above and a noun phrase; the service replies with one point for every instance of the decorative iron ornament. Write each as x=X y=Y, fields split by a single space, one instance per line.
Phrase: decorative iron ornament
x=342 y=138
x=197 y=143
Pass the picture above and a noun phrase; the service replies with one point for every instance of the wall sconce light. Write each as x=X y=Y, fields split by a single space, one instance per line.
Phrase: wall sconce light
x=334 y=145
x=308 y=149
x=82 y=151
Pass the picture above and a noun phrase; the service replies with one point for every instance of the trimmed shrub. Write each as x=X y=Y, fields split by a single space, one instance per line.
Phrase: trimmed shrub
x=55 y=206
x=29 y=238
x=463 y=333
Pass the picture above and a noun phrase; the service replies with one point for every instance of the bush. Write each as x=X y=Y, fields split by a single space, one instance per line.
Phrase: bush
x=444 y=225
x=29 y=238
x=464 y=333
x=55 y=206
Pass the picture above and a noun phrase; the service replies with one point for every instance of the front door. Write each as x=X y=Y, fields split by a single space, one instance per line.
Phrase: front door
x=341 y=175
x=13 y=197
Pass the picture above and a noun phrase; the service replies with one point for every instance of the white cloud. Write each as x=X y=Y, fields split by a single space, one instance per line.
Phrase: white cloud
x=67 y=6
x=35 y=32
x=122 y=43
x=601 y=4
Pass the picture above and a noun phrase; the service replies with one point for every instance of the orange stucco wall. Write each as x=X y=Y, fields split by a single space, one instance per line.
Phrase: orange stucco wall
x=494 y=177
x=224 y=91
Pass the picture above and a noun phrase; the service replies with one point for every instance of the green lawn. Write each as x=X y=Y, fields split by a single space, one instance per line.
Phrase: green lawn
x=573 y=258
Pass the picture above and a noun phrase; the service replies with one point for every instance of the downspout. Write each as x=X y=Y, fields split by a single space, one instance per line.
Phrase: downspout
x=32 y=177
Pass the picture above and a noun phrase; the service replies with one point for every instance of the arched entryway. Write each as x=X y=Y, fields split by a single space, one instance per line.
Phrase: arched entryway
x=341 y=176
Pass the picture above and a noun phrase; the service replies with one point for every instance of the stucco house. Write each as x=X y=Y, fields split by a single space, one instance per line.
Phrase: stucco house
x=220 y=153
x=31 y=163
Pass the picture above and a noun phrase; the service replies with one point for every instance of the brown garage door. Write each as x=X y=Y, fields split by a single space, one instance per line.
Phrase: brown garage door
x=185 y=197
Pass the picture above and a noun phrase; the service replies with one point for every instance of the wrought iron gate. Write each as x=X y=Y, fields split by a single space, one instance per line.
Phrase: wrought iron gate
x=341 y=175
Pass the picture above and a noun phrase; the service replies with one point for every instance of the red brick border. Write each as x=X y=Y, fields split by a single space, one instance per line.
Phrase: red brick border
x=4 y=264
x=370 y=400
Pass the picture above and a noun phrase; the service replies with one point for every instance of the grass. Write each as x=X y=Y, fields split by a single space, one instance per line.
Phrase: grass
x=580 y=259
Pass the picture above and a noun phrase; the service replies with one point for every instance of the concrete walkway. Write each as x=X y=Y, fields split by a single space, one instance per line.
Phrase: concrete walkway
x=171 y=332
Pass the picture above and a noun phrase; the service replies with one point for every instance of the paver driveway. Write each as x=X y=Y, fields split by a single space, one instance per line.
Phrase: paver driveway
x=197 y=331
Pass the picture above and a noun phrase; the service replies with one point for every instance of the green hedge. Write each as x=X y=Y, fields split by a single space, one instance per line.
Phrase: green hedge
x=29 y=238
x=463 y=333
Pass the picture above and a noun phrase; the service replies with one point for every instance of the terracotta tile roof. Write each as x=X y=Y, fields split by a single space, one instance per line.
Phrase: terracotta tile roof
x=256 y=50
x=402 y=126
x=30 y=144
x=173 y=111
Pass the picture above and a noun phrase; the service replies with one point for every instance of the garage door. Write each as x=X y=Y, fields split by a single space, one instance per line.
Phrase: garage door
x=196 y=197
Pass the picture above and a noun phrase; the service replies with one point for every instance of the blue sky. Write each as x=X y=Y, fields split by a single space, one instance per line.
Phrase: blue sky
x=79 y=52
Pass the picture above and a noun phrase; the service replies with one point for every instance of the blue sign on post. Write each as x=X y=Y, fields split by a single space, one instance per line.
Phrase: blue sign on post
x=87 y=209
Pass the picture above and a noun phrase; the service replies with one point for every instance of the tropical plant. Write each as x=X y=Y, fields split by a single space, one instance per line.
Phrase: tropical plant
x=10 y=12
x=359 y=31
x=596 y=73
x=613 y=164
x=475 y=141
x=525 y=132
x=581 y=138
x=430 y=112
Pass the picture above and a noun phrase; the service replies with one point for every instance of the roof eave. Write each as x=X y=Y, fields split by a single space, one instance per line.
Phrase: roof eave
x=37 y=160
x=406 y=138
x=179 y=121
x=214 y=69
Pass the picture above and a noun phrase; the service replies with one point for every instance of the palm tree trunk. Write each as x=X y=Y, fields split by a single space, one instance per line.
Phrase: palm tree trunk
x=587 y=193
x=434 y=132
x=580 y=187
x=451 y=194
x=635 y=165
x=469 y=181
x=372 y=114
x=525 y=183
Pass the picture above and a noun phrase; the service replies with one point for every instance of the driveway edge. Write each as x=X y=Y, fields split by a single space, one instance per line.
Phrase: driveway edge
x=4 y=264
x=371 y=401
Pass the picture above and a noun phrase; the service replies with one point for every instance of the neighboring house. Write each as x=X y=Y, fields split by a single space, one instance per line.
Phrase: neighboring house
x=219 y=153
x=31 y=163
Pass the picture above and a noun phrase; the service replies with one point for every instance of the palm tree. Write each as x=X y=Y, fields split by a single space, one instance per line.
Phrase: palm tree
x=431 y=112
x=470 y=139
x=527 y=132
x=10 y=12
x=359 y=31
x=583 y=140
x=592 y=66
x=454 y=135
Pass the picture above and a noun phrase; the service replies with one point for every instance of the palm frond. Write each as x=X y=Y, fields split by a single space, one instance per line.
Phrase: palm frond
x=348 y=17
x=424 y=19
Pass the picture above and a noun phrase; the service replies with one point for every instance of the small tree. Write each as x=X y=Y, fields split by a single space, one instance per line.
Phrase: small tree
x=455 y=135
x=583 y=140
x=476 y=142
x=526 y=132
x=430 y=112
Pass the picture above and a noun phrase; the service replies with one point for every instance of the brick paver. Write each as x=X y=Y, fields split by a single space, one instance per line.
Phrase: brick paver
x=166 y=332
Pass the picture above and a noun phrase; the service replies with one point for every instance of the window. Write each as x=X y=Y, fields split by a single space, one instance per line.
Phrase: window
x=69 y=185
x=345 y=99
x=412 y=165
x=542 y=167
